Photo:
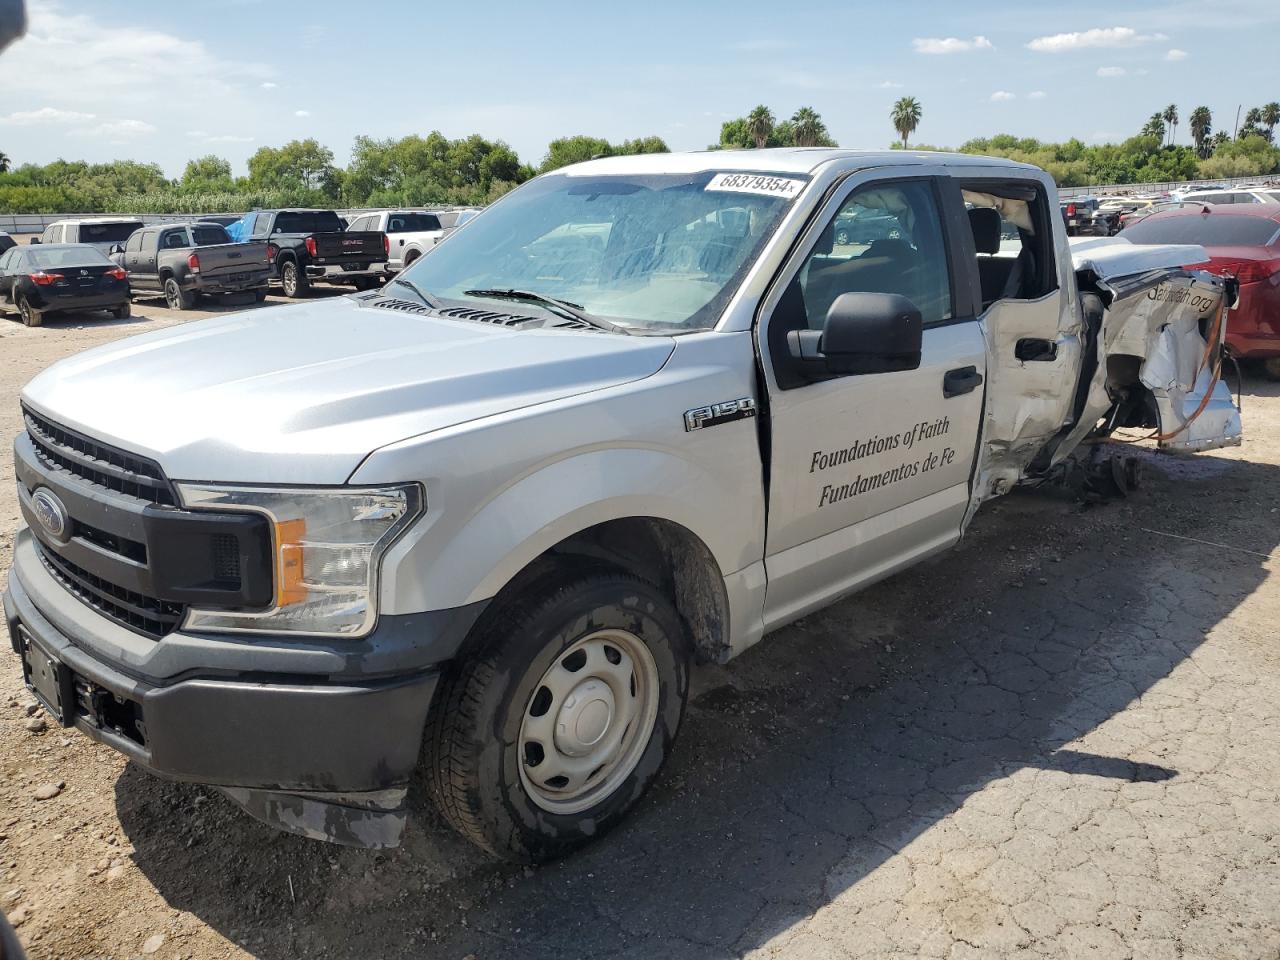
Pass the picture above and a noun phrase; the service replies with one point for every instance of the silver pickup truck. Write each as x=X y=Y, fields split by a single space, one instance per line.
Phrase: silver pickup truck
x=640 y=413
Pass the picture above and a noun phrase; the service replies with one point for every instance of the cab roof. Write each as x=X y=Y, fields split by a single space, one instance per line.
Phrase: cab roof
x=780 y=160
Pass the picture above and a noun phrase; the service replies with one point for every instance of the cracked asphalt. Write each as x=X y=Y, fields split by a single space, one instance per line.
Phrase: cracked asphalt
x=1057 y=740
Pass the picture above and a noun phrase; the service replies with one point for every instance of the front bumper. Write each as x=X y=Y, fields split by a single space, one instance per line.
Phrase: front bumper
x=329 y=754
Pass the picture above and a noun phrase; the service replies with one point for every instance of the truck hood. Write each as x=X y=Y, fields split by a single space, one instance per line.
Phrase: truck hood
x=301 y=394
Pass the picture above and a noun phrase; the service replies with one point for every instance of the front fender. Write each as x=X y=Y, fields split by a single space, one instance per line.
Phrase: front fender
x=456 y=557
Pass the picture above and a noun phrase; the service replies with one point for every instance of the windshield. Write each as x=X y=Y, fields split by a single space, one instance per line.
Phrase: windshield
x=307 y=221
x=1205 y=229
x=659 y=252
x=108 y=232
x=208 y=235
x=71 y=255
x=412 y=222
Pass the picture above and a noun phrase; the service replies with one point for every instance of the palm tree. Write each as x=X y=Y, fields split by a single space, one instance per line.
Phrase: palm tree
x=1155 y=126
x=1252 y=124
x=807 y=127
x=1201 y=127
x=906 y=117
x=1170 y=116
x=1219 y=138
x=760 y=125
x=4 y=162
x=1271 y=116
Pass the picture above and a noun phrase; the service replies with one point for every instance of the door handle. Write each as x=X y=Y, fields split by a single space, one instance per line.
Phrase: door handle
x=961 y=380
x=1035 y=349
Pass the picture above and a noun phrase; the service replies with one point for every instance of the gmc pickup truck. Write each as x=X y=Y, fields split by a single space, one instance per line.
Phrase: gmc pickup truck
x=641 y=412
x=184 y=260
x=311 y=246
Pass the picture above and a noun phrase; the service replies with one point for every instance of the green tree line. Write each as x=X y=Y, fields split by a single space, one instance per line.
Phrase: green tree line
x=413 y=170
x=434 y=169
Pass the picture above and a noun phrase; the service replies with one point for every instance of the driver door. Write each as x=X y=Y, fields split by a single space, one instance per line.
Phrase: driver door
x=870 y=472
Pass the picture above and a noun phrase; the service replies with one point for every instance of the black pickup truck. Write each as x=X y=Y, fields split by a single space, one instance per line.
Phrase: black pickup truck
x=310 y=246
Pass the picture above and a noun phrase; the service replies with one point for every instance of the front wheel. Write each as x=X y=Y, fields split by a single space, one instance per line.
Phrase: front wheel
x=31 y=317
x=561 y=715
x=293 y=281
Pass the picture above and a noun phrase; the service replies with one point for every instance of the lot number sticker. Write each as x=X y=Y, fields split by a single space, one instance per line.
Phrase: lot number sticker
x=764 y=185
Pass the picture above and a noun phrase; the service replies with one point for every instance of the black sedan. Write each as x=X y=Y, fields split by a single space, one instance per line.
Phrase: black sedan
x=40 y=279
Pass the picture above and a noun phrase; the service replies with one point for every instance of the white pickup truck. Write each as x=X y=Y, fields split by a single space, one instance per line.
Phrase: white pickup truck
x=410 y=234
x=641 y=412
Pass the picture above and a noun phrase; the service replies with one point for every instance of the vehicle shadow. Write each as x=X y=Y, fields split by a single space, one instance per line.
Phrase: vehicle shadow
x=81 y=320
x=802 y=766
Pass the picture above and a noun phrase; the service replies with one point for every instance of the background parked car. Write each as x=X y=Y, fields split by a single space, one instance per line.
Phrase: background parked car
x=6 y=241
x=1084 y=218
x=410 y=233
x=861 y=225
x=64 y=276
x=101 y=232
x=184 y=260
x=311 y=246
x=1228 y=196
x=1141 y=213
x=1243 y=240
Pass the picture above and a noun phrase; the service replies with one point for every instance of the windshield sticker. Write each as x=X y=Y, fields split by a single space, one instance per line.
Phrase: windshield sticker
x=767 y=186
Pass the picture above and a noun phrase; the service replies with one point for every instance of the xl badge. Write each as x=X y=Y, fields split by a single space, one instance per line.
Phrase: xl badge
x=719 y=413
x=51 y=514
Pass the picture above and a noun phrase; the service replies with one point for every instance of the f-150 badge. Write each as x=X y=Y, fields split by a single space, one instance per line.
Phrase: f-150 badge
x=718 y=413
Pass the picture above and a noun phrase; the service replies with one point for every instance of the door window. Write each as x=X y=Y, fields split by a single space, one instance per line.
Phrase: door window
x=135 y=242
x=886 y=238
x=1013 y=240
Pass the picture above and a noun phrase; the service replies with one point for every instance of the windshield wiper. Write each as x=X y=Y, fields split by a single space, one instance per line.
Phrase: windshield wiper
x=572 y=310
x=426 y=300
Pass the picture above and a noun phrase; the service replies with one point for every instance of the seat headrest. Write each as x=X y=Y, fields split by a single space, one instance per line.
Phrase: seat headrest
x=985 y=224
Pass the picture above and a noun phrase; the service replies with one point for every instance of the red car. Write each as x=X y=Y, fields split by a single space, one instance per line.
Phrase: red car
x=1242 y=240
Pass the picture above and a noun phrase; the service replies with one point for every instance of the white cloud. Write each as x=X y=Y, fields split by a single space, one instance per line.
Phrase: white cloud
x=1111 y=71
x=949 y=44
x=133 y=68
x=29 y=118
x=1036 y=95
x=116 y=130
x=268 y=85
x=302 y=113
x=1001 y=95
x=889 y=85
x=1176 y=54
x=1097 y=37
x=208 y=137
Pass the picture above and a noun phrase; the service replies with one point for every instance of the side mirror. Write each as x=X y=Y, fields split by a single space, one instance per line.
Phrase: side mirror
x=115 y=248
x=864 y=333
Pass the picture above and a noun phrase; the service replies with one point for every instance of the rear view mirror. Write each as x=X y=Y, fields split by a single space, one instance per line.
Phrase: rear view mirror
x=864 y=333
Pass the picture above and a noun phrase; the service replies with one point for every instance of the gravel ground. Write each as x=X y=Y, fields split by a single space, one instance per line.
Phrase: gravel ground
x=1057 y=740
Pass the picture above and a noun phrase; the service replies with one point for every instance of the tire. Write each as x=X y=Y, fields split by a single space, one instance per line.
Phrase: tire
x=365 y=283
x=293 y=281
x=176 y=297
x=260 y=294
x=1271 y=368
x=31 y=317
x=515 y=689
x=123 y=312
x=409 y=258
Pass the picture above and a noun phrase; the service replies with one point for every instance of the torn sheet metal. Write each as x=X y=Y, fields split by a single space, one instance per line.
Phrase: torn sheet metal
x=1150 y=313
x=371 y=820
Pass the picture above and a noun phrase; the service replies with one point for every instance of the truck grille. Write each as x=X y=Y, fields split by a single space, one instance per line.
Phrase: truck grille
x=61 y=449
x=147 y=615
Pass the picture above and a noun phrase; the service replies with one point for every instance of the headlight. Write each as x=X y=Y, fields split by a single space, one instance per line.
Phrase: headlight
x=326 y=544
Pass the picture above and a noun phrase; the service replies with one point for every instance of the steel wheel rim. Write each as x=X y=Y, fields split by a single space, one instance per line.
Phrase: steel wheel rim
x=171 y=294
x=588 y=721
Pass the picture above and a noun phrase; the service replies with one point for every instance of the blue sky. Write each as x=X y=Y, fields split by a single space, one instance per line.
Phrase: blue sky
x=163 y=80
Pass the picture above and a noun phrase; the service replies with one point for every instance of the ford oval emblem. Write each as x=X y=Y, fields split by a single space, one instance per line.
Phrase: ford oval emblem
x=51 y=514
